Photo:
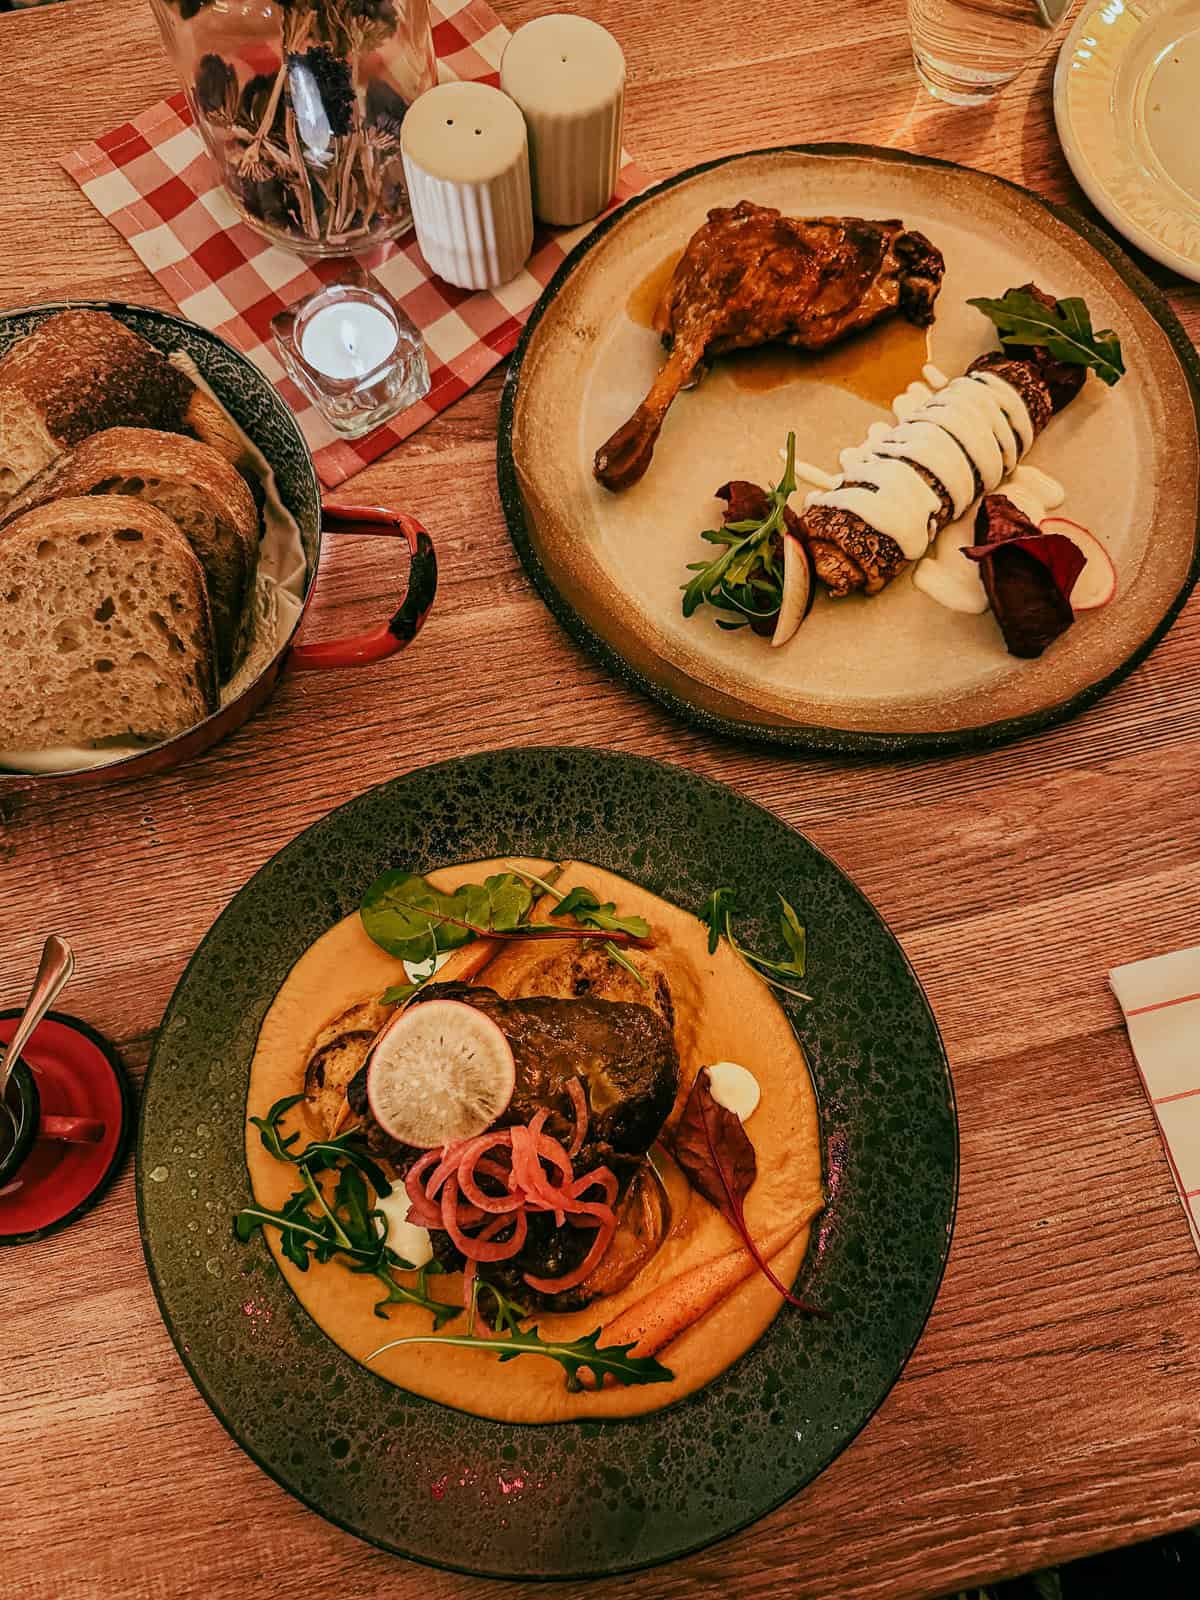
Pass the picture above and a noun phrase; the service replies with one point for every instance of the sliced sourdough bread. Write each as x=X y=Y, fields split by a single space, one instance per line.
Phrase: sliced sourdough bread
x=200 y=491
x=105 y=629
x=80 y=371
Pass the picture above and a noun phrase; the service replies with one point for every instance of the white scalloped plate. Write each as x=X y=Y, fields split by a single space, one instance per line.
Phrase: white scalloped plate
x=1127 y=105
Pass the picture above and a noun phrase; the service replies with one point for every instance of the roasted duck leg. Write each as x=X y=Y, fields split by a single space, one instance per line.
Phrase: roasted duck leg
x=750 y=276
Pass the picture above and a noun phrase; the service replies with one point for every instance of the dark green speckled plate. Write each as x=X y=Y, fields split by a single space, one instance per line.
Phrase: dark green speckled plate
x=573 y=1499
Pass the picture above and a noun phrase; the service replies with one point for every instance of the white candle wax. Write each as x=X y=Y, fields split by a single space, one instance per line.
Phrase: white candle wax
x=348 y=339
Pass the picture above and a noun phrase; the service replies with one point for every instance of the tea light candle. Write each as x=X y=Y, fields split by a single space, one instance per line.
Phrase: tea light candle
x=567 y=74
x=466 y=163
x=348 y=339
x=356 y=354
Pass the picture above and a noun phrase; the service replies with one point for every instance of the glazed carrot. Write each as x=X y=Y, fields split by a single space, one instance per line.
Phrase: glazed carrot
x=659 y=1317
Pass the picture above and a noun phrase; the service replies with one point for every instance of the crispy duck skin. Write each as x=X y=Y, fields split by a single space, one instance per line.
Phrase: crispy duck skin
x=752 y=276
x=624 y=1054
x=849 y=555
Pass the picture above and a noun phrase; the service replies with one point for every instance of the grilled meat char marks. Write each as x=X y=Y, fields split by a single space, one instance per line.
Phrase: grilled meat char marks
x=751 y=276
x=849 y=554
x=625 y=1056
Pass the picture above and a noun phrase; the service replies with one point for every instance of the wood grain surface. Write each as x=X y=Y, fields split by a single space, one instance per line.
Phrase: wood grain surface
x=1050 y=1408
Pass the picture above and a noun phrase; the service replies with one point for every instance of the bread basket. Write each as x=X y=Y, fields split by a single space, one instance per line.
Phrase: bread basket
x=253 y=403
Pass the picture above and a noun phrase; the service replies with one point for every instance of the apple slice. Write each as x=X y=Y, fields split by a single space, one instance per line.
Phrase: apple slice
x=799 y=589
x=1097 y=583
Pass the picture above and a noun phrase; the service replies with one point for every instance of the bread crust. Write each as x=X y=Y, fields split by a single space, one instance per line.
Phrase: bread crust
x=105 y=628
x=81 y=371
x=223 y=531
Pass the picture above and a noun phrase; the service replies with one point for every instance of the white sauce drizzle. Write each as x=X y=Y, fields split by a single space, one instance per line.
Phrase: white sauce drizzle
x=978 y=420
x=952 y=580
x=807 y=473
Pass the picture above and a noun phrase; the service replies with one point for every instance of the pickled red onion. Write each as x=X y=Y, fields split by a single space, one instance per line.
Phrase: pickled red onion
x=589 y=1263
x=479 y=1249
x=579 y=1100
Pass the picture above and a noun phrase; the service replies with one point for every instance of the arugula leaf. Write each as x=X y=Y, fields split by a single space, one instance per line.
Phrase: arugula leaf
x=716 y=915
x=410 y=919
x=1066 y=332
x=398 y=993
x=582 y=904
x=794 y=936
x=746 y=579
x=317 y=1226
x=580 y=1354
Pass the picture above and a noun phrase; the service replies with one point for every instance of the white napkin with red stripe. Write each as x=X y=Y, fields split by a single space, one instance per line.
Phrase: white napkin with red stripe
x=1161 y=1002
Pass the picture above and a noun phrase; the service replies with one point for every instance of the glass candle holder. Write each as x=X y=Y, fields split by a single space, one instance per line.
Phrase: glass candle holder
x=356 y=354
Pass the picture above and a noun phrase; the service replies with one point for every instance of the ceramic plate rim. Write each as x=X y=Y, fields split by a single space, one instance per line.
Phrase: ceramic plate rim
x=826 y=738
x=792 y=1490
x=1086 y=176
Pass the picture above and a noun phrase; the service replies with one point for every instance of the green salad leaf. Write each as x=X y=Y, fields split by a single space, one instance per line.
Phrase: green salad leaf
x=613 y=1361
x=745 y=582
x=717 y=917
x=316 y=1225
x=410 y=919
x=584 y=905
x=1066 y=332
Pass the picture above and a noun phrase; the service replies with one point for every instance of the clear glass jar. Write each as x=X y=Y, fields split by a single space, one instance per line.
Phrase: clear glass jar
x=300 y=104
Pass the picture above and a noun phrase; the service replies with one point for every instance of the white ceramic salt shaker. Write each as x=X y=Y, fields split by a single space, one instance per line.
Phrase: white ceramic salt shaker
x=466 y=160
x=567 y=74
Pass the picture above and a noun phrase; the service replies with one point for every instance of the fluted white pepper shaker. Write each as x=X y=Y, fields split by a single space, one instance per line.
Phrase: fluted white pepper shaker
x=466 y=162
x=567 y=74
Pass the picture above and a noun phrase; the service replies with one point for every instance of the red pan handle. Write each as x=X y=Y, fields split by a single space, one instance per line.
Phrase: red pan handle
x=361 y=649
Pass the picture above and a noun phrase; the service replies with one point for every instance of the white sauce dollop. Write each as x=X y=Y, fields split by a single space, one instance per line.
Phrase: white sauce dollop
x=411 y=1243
x=734 y=1087
x=952 y=580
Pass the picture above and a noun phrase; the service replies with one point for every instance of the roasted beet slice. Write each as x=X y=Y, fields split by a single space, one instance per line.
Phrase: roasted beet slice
x=744 y=502
x=1028 y=575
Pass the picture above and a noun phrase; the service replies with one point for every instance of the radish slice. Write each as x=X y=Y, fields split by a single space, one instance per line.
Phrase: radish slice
x=439 y=1073
x=1097 y=583
x=798 y=589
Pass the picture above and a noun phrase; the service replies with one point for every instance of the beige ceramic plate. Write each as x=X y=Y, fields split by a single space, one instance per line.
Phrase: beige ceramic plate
x=1126 y=94
x=893 y=672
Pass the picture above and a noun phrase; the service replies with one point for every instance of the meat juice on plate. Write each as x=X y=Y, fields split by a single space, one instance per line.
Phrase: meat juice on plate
x=966 y=50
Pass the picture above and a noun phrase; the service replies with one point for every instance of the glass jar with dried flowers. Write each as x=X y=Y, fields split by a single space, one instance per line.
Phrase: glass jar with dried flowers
x=300 y=104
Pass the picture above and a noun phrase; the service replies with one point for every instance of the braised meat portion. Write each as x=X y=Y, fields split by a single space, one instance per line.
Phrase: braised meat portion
x=624 y=1055
x=750 y=276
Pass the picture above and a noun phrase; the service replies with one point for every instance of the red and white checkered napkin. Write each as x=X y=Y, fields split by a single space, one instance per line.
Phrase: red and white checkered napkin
x=1161 y=1002
x=155 y=183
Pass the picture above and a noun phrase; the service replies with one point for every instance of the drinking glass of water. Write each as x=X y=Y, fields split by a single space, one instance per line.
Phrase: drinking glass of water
x=966 y=50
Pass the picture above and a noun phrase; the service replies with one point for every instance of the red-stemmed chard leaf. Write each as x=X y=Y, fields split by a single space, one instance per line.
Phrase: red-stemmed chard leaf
x=715 y=1152
x=1028 y=575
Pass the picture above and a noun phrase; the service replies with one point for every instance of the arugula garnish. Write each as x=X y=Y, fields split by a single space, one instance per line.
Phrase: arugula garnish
x=582 y=904
x=613 y=1361
x=746 y=579
x=316 y=1226
x=1066 y=332
x=717 y=915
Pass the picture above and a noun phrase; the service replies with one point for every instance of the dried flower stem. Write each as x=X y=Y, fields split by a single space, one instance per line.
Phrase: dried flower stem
x=308 y=211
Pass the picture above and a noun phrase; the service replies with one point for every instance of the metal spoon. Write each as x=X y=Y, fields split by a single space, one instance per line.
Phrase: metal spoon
x=54 y=969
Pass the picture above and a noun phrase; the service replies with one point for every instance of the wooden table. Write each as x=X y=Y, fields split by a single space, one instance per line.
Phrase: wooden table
x=1050 y=1408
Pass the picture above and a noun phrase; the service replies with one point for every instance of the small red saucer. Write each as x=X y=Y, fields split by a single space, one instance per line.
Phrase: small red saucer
x=78 y=1075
